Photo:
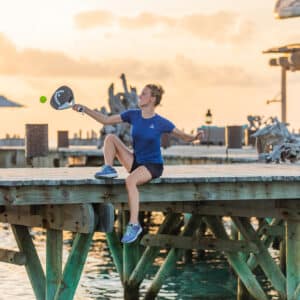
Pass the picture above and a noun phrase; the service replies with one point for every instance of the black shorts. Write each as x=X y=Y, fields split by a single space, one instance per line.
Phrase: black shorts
x=155 y=170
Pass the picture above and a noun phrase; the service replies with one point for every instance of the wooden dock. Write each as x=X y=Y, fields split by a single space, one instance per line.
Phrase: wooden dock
x=71 y=199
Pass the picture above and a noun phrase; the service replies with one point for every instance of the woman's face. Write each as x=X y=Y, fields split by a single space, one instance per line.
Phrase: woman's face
x=145 y=98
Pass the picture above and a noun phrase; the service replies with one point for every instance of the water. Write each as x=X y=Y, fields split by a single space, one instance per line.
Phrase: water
x=209 y=279
x=196 y=280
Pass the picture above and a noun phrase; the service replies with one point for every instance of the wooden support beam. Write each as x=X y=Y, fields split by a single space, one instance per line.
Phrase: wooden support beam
x=282 y=256
x=54 y=249
x=270 y=268
x=236 y=261
x=292 y=259
x=267 y=240
x=170 y=261
x=242 y=292
x=33 y=265
x=297 y=293
x=12 y=257
x=131 y=255
x=75 y=218
x=170 y=223
x=271 y=208
x=180 y=242
x=74 y=266
x=115 y=248
x=248 y=189
x=273 y=230
x=105 y=213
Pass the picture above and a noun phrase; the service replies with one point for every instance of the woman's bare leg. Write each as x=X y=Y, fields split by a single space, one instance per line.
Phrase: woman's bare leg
x=114 y=147
x=139 y=176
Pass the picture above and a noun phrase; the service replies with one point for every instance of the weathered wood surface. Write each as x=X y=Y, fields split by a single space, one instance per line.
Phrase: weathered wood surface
x=172 y=174
x=180 y=154
x=11 y=157
x=12 y=257
x=33 y=265
x=194 y=183
x=171 y=241
x=76 y=218
x=54 y=251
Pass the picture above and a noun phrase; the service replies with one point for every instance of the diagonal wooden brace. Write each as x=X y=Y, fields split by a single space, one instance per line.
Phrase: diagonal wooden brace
x=270 y=268
x=238 y=264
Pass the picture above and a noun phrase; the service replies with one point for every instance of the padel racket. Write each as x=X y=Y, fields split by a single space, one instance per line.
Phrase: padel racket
x=63 y=98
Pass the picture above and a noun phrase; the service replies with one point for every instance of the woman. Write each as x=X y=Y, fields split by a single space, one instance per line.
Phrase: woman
x=145 y=162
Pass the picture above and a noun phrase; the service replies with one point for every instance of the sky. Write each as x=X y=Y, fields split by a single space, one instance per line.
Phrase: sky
x=205 y=54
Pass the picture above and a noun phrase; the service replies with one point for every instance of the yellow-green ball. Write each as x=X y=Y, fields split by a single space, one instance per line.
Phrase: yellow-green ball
x=43 y=99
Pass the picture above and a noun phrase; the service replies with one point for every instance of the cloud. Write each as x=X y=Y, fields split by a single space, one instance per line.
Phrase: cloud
x=145 y=20
x=219 y=27
x=92 y=19
x=209 y=75
x=50 y=64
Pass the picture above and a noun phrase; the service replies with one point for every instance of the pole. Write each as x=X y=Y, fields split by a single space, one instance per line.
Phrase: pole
x=283 y=94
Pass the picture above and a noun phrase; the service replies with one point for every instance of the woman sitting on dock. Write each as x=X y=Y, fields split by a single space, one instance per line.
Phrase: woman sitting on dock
x=145 y=162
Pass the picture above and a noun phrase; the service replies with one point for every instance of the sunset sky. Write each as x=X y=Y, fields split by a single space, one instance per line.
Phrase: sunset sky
x=206 y=54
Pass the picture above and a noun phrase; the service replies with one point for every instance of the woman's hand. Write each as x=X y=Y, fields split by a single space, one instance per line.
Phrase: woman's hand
x=188 y=137
x=78 y=107
x=199 y=136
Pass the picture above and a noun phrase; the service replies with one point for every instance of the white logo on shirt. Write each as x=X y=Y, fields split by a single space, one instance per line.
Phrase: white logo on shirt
x=151 y=126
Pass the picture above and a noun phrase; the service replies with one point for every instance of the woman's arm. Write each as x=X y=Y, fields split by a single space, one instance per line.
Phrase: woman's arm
x=188 y=137
x=98 y=116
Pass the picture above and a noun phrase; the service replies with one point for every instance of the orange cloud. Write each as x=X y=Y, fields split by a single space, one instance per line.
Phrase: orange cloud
x=209 y=75
x=146 y=20
x=219 y=27
x=92 y=19
x=47 y=64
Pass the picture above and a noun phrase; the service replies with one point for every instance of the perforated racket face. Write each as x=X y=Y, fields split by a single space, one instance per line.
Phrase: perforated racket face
x=62 y=98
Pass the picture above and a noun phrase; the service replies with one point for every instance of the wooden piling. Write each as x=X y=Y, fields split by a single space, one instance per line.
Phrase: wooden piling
x=113 y=241
x=170 y=261
x=242 y=292
x=292 y=259
x=74 y=266
x=33 y=265
x=62 y=139
x=53 y=262
x=130 y=259
x=138 y=274
x=36 y=142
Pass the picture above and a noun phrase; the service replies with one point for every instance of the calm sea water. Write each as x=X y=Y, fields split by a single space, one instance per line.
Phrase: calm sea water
x=206 y=279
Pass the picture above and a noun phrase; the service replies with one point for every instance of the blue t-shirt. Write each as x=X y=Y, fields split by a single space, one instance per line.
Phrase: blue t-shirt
x=146 y=135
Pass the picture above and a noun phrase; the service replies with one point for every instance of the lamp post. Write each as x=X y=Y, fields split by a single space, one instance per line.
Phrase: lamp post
x=208 y=121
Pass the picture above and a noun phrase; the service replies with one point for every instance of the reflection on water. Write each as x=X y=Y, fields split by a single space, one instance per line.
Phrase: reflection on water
x=209 y=279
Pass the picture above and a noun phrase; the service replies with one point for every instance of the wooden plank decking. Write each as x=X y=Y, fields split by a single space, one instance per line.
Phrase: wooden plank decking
x=185 y=183
x=172 y=174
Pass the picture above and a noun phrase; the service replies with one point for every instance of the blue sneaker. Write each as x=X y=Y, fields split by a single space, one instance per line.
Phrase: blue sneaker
x=132 y=233
x=106 y=172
